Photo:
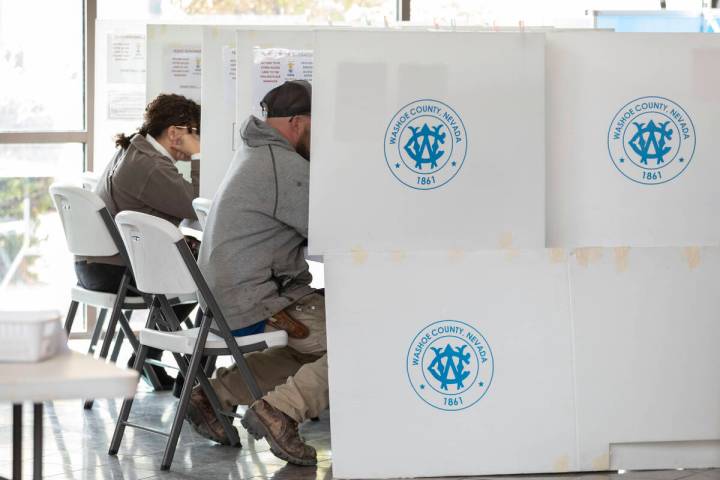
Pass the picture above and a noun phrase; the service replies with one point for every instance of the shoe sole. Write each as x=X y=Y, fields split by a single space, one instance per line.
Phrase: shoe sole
x=258 y=430
x=196 y=419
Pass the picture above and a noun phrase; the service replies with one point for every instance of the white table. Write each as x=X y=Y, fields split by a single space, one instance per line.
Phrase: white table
x=67 y=376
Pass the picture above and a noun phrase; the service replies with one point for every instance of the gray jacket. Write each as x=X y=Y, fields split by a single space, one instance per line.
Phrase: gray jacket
x=252 y=249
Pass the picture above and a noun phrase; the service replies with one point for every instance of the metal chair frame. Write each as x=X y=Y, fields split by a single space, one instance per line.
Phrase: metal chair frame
x=190 y=365
x=120 y=313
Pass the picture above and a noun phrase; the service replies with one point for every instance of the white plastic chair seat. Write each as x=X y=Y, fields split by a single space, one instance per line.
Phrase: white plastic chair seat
x=107 y=300
x=101 y=299
x=183 y=341
x=178 y=299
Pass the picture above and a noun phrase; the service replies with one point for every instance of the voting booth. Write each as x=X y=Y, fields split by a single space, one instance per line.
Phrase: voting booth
x=412 y=148
x=532 y=361
x=520 y=252
x=174 y=59
x=218 y=126
x=632 y=121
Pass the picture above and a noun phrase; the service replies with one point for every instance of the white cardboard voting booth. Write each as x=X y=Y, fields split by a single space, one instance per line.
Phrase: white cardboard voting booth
x=646 y=330
x=376 y=306
x=518 y=359
x=270 y=53
x=609 y=185
x=418 y=146
x=267 y=57
x=592 y=371
x=174 y=60
x=218 y=81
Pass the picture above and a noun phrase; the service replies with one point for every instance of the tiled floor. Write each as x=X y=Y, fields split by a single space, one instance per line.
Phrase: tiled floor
x=76 y=443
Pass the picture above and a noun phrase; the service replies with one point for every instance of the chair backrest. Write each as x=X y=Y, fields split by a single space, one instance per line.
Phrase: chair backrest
x=81 y=212
x=202 y=209
x=152 y=246
x=89 y=180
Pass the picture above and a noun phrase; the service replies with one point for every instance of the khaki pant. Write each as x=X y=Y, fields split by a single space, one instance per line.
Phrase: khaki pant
x=294 y=379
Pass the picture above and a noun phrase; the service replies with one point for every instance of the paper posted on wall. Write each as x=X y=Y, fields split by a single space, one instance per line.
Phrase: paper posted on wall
x=126 y=104
x=126 y=58
x=229 y=73
x=182 y=69
x=274 y=66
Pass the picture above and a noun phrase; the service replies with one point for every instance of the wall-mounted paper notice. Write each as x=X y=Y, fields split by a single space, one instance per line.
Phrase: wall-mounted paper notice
x=182 y=67
x=229 y=65
x=126 y=58
x=126 y=104
x=273 y=66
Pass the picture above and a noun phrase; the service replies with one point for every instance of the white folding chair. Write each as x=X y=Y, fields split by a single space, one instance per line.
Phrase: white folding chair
x=202 y=209
x=90 y=231
x=162 y=263
x=89 y=180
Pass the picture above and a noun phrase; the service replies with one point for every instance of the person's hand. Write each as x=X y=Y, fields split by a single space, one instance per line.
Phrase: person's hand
x=187 y=145
x=180 y=156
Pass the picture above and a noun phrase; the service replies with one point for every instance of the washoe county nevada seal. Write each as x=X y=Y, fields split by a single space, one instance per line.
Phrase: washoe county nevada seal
x=450 y=365
x=651 y=140
x=425 y=144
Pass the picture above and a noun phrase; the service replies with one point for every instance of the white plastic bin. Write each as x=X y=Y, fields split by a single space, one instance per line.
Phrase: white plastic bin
x=30 y=336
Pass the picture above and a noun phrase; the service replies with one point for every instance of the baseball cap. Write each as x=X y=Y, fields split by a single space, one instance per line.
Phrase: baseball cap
x=287 y=100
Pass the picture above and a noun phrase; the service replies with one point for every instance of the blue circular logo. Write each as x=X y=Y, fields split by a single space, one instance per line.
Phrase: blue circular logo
x=425 y=144
x=651 y=140
x=450 y=365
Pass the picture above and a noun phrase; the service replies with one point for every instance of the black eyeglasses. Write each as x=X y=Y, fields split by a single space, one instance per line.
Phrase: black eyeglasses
x=194 y=130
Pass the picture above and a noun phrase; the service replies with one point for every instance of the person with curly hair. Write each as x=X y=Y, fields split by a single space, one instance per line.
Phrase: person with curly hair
x=143 y=176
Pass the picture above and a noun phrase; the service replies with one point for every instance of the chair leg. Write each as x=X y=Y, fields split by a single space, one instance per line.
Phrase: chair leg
x=185 y=396
x=125 y=327
x=98 y=331
x=114 y=316
x=210 y=365
x=112 y=324
x=212 y=398
x=70 y=316
x=215 y=402
x=118 y=345
x=126 y=406
x=198 y=317
x=124 y=323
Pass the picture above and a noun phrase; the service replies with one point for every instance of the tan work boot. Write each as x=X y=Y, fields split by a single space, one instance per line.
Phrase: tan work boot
x=262 y=420
x=202 y=418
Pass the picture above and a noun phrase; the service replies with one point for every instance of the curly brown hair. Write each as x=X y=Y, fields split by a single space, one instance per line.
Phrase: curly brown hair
x=163 y=112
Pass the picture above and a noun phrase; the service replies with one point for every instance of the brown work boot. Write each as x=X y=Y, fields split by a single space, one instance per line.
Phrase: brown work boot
x=262 y=420
x=202 y=418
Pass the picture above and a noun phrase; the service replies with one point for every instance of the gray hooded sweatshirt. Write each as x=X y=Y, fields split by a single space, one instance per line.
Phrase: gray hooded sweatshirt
x=252 y=250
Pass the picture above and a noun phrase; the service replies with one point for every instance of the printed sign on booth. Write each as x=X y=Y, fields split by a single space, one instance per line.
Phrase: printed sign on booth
x=651 y=140
x=425 y=144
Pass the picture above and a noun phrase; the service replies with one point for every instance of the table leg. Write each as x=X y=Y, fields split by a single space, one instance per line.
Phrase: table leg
x=17 y=441
x=37 y=440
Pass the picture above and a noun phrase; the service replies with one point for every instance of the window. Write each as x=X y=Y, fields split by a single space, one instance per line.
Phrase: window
x=43 y=138
x=34 y=261
x=42 y=81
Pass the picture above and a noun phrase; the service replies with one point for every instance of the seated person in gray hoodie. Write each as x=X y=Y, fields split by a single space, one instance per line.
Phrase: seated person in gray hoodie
x=252 y=257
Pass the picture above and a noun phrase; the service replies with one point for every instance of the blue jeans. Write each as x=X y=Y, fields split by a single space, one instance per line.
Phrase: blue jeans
x=251 y=330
